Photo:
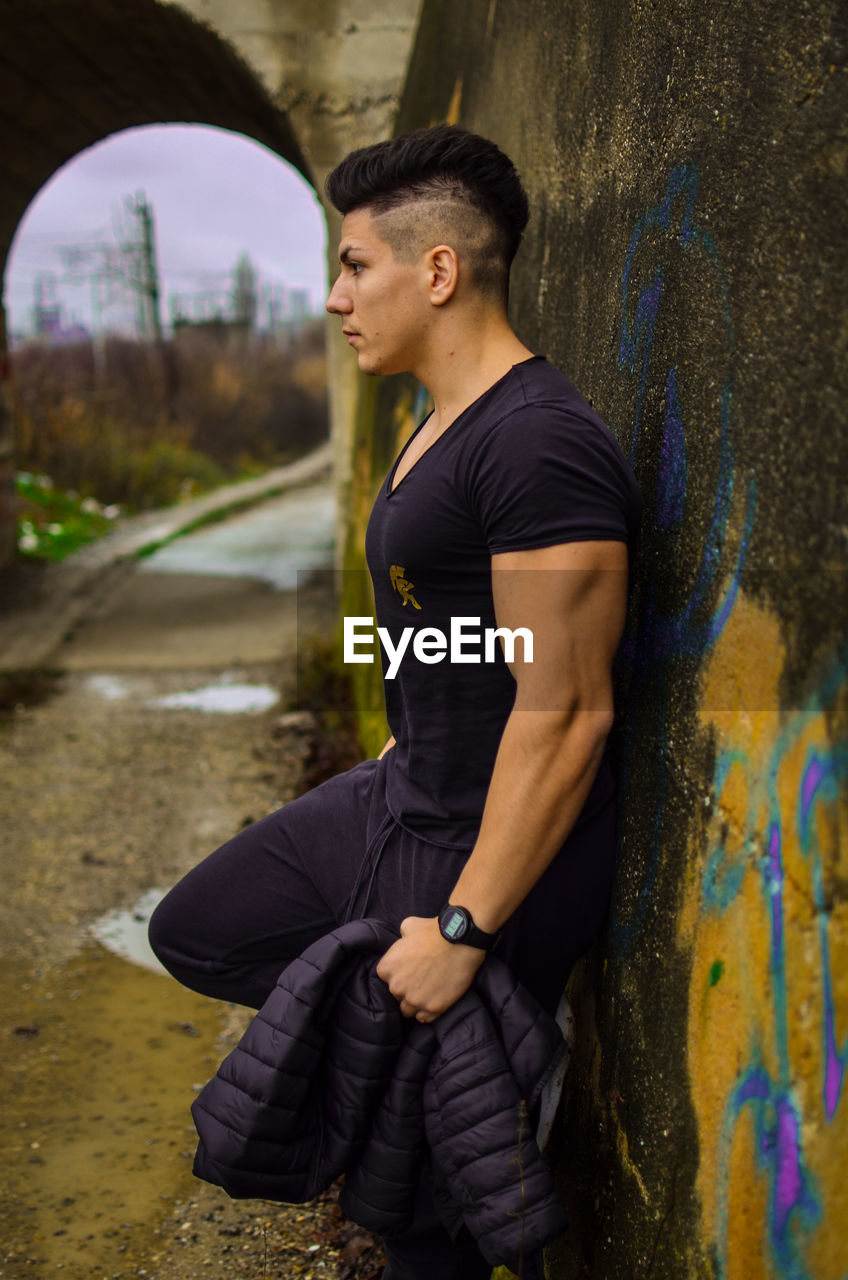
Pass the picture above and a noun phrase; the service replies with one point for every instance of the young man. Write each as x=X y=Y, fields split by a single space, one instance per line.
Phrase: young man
x=491 y=809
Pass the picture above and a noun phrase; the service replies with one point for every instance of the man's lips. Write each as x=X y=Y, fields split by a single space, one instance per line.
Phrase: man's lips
x=350 y=334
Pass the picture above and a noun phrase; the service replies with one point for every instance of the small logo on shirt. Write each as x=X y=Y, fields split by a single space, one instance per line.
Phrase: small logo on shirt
x=403 y=586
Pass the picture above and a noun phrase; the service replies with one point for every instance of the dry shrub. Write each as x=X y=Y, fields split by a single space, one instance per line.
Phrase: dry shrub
x=141 y=425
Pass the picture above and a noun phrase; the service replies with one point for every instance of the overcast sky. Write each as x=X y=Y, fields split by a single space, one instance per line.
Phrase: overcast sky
x=215 y=195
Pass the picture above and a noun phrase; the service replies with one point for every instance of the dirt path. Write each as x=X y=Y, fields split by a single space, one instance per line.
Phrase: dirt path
x=115 y=784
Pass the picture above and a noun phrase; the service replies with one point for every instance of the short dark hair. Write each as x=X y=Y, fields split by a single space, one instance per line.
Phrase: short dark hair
x=443 y=164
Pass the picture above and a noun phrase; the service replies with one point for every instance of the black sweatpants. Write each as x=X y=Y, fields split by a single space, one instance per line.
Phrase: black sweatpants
x=230 y=926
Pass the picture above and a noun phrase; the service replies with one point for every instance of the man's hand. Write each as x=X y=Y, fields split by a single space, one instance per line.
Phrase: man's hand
x=425 y=973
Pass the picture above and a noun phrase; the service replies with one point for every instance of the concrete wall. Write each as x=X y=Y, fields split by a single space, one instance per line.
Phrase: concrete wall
x=686 y=266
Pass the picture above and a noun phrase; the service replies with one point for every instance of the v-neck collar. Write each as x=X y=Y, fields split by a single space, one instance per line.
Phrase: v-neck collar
x=391 y=488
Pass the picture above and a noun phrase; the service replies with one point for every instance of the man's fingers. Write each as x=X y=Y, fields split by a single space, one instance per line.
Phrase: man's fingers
x=410 y=1010
x=420 y=1015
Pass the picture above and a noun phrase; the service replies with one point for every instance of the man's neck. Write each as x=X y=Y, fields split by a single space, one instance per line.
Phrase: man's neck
x=465 y=360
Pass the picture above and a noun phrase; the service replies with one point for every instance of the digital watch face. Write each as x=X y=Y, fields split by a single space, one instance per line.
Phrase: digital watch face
x=454 y=925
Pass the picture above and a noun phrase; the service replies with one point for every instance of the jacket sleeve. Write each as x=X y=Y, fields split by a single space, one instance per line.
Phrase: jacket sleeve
x=496 y=1048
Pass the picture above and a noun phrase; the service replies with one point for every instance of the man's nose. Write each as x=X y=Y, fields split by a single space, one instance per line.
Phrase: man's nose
x=338 y=303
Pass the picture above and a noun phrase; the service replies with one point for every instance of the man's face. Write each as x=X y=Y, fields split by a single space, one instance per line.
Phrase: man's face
x=382 y=301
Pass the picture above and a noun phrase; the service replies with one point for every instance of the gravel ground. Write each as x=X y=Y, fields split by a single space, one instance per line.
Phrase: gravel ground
x=108 y=795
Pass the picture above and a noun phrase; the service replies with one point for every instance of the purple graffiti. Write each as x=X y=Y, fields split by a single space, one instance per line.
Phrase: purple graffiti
x=815 y=774
x=819 y=781
x=789 y=1192
x=777 y=1126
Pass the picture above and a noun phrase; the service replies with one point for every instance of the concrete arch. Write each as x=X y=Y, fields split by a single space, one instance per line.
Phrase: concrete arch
x=75 y=71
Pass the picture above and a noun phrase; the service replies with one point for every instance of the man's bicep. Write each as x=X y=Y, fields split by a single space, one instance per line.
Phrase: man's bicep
x=572 y=599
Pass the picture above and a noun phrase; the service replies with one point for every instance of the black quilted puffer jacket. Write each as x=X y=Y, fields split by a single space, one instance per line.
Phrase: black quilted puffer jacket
x=330 y=1079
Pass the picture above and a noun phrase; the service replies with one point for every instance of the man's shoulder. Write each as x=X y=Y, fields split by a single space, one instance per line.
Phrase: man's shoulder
x=546 y=387
x=537 y=399
x=542 y=432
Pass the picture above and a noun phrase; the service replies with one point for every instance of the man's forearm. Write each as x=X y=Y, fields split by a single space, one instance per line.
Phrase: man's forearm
x=544 y=770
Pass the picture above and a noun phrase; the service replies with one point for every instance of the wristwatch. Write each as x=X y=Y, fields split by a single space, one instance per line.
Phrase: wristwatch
x=456 y=925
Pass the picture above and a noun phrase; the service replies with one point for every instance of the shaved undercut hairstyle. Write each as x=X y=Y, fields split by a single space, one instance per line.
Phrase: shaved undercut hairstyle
x=442 y=185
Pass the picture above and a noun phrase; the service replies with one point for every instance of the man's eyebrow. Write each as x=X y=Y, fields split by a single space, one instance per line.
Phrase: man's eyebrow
x=344 y=256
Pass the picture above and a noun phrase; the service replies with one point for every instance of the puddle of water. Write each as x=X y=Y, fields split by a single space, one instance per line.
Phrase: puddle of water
x=226 y=696
x=112 y=688
x=223 y=698
x=98 y=1068
x=124 y=933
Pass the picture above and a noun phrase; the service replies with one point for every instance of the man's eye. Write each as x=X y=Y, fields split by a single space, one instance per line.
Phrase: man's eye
x=355 y=267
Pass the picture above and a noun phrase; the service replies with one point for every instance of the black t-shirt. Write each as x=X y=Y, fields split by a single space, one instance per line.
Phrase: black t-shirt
x=529 y=464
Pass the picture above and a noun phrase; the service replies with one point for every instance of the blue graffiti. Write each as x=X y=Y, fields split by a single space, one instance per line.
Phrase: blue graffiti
x=421 y=404
x=667 y=635
x=794 y=1204
x=671 y=500
x=681 y=631
x=722 y=881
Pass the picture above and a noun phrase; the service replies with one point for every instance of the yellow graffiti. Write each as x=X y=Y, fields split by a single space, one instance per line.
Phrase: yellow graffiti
x=768 y=1008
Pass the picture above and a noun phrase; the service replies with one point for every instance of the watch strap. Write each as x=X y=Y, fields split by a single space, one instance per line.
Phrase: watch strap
x=456 y=924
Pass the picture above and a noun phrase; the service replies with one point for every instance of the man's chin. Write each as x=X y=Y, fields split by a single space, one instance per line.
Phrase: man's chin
x=370 y=367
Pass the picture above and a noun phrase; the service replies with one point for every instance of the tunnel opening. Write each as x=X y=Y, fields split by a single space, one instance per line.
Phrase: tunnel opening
x=75 y=73
x=174 y=350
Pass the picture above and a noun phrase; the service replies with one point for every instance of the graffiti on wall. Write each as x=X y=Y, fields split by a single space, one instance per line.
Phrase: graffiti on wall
x=762 y=917
x=703 y=527
x=768 y=1033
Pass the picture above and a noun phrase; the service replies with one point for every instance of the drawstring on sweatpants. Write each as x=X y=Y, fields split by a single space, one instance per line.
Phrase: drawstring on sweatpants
x=373 y=855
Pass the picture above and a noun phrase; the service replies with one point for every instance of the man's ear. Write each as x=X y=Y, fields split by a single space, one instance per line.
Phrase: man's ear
x=443 y=273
